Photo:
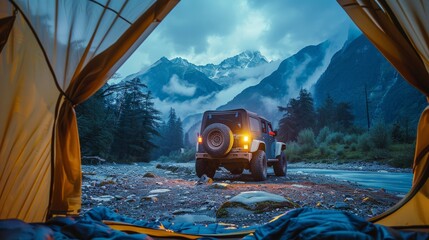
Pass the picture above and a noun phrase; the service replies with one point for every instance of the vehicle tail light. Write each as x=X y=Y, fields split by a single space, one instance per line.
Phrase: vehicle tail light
x=200 y=139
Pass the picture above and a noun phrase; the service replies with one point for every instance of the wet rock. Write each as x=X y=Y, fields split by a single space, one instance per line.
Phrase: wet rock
x=104 y=198
x=182 y=211
x=149 y=175
x=369 y=200
x=341 y=205
x=119 y=197
x=132 y=196
x=220 y=185
x=376 y=211
x=161 y=190
x=253 y=202
x=201 y=209
x=204 y=180
x=348 y=199
x=299 y=186
x=152 y=197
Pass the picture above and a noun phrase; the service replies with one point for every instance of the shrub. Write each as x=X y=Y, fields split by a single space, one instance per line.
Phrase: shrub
x=186 y=155
x=350 y=139
x=323 y=134
x=335 y=138
x=364 y=142
x=380 y=137
x=403 y=156
x=306 y=140
x=293 y=151
x=324 y=150
x=354 y=146
x=340 y=151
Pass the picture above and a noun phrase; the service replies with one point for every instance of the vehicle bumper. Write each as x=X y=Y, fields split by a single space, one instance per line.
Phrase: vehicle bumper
x=230 y=156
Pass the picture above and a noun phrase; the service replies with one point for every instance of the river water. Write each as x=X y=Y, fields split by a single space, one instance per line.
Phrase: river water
x=390 y=181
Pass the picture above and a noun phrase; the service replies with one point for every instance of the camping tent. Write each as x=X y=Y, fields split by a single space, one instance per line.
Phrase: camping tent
x=400 y=31
x=55 y=55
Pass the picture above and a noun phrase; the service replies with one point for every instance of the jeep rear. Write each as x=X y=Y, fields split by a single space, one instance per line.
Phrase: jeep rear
x=238 y=140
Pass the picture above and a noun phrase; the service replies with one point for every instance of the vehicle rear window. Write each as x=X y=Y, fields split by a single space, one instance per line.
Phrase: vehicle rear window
x=232 y=120
x=255 y=125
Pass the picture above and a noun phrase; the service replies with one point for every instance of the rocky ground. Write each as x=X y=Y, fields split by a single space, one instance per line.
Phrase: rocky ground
x=172 y=192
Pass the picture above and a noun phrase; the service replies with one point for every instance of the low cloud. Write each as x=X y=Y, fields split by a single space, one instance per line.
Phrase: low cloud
x=178 y=87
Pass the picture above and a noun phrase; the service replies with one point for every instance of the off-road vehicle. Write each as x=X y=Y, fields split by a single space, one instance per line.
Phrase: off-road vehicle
x=236 y=140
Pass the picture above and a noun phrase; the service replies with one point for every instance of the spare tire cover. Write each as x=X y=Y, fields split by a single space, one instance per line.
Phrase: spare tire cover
x=217 y=139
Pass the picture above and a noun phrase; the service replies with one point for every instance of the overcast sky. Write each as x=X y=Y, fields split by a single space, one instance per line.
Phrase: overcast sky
x=208 y=31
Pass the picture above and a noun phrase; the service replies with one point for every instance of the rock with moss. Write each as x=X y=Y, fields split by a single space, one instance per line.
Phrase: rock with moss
x=253 y=202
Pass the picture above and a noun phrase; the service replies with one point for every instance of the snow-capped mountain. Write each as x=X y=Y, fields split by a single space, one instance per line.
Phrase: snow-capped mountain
x=183 y=85
x=176 y=81
x=230 y=71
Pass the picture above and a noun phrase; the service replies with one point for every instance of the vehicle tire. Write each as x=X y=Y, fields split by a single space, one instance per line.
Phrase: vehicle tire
x=258 y=166
x=236 y=170
x=217 y=140
x=202 y=166
x=280 y=167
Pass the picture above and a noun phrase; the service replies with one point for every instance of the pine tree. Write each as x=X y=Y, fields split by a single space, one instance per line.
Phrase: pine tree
x=344 y=116
x=299 y=115
x=95 y=125
x=171 y=135
x=326 y=114
x=137 y=124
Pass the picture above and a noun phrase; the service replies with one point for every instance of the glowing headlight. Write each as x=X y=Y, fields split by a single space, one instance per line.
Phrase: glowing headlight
x=200 y=139
x=246 y=138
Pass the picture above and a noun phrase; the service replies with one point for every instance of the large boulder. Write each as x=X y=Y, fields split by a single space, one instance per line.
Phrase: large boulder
x=253 y=202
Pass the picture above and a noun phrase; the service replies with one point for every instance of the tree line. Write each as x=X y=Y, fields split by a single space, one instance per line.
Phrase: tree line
x=121 y=124
x=300 y=114
x=328 y=134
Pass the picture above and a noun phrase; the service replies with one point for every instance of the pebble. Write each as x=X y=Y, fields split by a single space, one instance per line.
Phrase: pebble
x=182 y=211
x=161 y=190
x=341 y=205
x=220 y=185
x=149 y=175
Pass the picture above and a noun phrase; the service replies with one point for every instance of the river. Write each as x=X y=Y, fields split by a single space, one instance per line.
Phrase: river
x=390 y=181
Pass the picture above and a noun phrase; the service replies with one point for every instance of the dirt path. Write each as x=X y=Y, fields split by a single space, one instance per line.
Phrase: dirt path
x=172 y=192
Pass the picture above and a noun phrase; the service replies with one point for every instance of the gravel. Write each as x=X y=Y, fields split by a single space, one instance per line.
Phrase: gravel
x=172 y=192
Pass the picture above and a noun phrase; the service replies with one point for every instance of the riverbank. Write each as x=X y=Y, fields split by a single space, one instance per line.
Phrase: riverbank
x=172 y=192
x=351 y=166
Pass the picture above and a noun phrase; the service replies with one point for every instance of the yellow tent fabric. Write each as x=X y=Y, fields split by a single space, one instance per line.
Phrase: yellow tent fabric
x=400 y=30
x=57 y=54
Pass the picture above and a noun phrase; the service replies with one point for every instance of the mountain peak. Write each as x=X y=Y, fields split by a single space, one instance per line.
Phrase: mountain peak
x=246 y=59
x=181 y=61
x=162 y=60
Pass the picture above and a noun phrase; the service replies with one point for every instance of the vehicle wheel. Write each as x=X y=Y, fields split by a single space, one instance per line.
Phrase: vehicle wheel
x=258 y=166
x=217 y=139
x=202 y=167
x=280 y=167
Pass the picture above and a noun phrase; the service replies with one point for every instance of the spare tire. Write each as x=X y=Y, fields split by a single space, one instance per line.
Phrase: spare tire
x=217 y=139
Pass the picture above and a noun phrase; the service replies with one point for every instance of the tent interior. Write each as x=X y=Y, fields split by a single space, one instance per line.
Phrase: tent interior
x=55 y=54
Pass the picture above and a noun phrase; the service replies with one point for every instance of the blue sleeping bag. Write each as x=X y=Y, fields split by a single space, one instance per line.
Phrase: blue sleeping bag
x=303 y=223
